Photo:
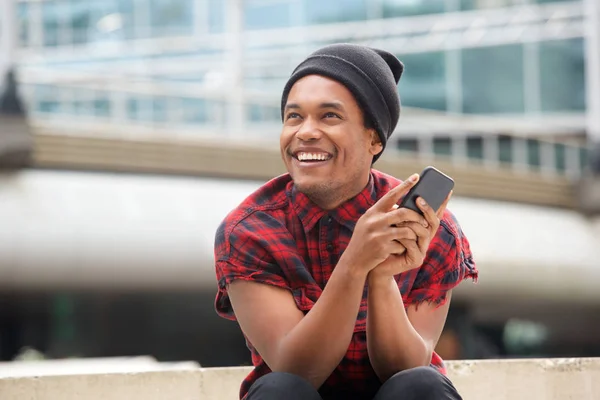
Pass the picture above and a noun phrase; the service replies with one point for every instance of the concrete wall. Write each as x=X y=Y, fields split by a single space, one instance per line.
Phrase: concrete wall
x=542 y=379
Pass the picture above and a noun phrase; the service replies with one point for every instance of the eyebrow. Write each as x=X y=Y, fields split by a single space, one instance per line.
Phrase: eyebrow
x=335 y=105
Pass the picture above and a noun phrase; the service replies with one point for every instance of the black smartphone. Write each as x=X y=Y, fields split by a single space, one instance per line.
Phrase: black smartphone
x=434 y=186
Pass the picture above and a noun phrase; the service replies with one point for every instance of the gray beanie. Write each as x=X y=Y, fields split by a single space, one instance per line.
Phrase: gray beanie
x=371 y=75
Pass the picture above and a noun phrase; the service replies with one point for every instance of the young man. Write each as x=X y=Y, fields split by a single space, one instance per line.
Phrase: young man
x=339 y=293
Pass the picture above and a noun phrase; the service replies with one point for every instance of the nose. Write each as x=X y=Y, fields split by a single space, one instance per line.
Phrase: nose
x=309 y=130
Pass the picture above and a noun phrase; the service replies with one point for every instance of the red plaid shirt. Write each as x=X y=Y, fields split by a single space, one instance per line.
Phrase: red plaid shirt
x=277 y=236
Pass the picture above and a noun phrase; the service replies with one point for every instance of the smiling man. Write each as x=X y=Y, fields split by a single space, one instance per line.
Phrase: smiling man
x=339 y=293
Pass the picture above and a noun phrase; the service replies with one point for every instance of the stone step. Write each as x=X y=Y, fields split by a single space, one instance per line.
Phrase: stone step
x=530 y=379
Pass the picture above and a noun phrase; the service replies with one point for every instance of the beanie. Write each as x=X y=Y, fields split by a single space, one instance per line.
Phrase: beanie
x=371 y=75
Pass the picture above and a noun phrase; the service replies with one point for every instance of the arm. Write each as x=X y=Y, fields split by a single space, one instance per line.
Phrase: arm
x=399 y=339
x=310 y=346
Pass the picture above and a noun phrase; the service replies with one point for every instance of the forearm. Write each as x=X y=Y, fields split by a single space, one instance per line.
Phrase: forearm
x=392 y=342
x=315 y=346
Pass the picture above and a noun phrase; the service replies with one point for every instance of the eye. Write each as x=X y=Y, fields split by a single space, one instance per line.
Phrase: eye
x=292 y=115
x=331 y=115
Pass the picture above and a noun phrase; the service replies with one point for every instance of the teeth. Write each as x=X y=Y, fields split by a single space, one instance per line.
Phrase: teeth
x=312 y=156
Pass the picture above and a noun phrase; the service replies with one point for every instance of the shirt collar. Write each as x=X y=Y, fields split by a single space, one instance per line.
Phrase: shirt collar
x=346 y=214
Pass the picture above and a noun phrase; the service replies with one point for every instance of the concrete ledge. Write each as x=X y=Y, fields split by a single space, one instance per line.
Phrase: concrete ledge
x=532 y=379
x=262 y=161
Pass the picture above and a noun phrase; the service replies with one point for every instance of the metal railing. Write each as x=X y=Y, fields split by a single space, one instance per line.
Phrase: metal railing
x=195 y=113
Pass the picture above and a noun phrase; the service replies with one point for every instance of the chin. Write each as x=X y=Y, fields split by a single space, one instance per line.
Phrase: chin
x=305 y=185
x=314 y=188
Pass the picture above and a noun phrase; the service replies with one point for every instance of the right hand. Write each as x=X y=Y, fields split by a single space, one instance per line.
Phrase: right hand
x=378 y=231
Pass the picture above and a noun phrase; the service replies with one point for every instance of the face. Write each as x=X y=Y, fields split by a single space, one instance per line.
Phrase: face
x=324 y=144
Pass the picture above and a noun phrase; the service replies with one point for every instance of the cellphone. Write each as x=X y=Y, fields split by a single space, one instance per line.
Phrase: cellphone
x=433 y=185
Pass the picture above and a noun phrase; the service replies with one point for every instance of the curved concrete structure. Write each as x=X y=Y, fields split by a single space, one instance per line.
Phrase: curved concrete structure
x=109 y=231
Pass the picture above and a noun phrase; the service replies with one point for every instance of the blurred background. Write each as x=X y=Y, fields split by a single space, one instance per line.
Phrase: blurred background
x=130 y=128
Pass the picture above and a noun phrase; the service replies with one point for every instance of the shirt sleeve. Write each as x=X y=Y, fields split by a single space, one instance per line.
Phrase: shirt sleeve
x=448 y=262
x=242 y=252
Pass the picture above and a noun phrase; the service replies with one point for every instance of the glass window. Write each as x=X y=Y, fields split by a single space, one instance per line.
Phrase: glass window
x=260 y=113
x=408 y=145
x=475 y=148
x=493 y=80
x=194 y=110
x=125 y=10
x=82 y=102
x=264 y=16
x=551 y=1
x=160 y=109
x=533 y=152
x=50 y=16
x=102 y=20
x=584 y=158
x=101 y=105
x=505 y=152
x=44 y=97
x=216 y=16
x=483 y=4
x=83 y=21
x=560 y=159
x=402 y=8
x=23 y=23
x=171 y=17
x=321 y=12
x=141 y=108
x=423 y=83
x=562 y=75
x=442 y=146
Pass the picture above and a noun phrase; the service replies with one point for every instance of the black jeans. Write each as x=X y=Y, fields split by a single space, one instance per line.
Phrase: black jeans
x=422 y=383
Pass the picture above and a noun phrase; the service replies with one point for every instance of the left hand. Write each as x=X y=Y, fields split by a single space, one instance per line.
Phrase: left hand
x=416 y=250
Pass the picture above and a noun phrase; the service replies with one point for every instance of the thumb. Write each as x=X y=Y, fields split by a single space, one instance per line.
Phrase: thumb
x=393 y=196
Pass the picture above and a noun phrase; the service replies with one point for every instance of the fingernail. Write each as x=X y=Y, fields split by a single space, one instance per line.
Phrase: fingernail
x=413 y=177
x=422 y=202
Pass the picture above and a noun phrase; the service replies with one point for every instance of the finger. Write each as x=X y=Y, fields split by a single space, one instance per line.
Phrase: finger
x=413 y=252
x=397 y=248
x=402 y=215
x=404 y=232
x=442 y=209
x=423 y=236
x=428 y=213
x=393 y=196
x=419 y=234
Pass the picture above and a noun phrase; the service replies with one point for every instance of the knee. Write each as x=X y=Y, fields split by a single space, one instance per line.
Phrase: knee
x=424 y=382
x=419 y=376
x=280 y=385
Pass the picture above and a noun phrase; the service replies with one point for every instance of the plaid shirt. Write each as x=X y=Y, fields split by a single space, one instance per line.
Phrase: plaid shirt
x=277 y=236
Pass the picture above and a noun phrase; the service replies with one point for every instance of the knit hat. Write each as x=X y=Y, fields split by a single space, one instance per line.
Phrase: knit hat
x=371 y=75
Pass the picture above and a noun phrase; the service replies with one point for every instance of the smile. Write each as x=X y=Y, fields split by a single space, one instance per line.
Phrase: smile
x=312 y=156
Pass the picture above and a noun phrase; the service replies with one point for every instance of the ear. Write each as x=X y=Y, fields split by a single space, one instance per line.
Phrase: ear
x=376 y=146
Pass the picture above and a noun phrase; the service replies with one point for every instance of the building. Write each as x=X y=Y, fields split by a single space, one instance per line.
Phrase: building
x=502 y=93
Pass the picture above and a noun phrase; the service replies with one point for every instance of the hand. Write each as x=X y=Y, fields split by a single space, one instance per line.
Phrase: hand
x=416 y=246
x=378 y=232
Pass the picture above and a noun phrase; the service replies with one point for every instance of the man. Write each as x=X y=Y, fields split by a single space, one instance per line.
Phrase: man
x=340 y=293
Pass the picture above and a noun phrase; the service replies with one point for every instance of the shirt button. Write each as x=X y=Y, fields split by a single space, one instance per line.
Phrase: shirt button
x=329 y=247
